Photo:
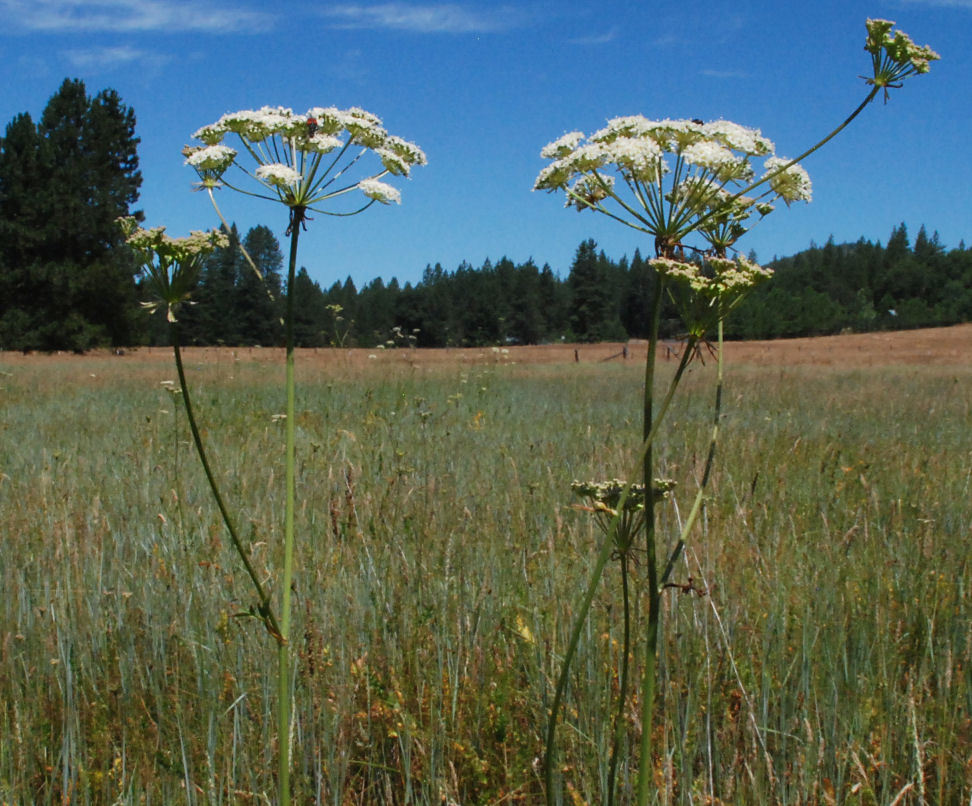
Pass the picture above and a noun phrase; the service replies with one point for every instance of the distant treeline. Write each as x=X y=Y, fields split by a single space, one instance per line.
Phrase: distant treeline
x=861 y=286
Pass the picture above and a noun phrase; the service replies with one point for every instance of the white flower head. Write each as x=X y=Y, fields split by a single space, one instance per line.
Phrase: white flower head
x=214 y=158
x=738 y=138
x=278 y=174
x=380 y=191
x=321 y=143
x=588 y=190
x=562 y=146
x=259 y=124
x=791 y=185
x=708 y=154
x=639 y=156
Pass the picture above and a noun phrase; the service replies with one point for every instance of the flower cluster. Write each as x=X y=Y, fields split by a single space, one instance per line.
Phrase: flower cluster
x=606 y=495
x=289 y=150
x=725 y=277
x=172 y=265
x=707 y=290
x=894 y=55
x=709 y=164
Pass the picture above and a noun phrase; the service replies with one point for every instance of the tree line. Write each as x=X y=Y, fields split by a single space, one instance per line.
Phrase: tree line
x=861 y=287
x=67 y=281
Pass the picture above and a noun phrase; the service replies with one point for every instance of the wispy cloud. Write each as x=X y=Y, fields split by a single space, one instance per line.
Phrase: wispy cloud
x=127 y=16
x=966 y=4
x=108 y=58
x=439 y=18
x=595 y=39
x=730 y=74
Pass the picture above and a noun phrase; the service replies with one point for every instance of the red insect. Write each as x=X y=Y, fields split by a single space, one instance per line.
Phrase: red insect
x=311 y=126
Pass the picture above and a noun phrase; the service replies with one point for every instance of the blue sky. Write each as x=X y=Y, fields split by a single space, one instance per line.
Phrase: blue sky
x=482 y=87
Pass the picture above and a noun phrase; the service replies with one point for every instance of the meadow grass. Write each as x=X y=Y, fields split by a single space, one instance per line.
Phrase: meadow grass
x=829 y=659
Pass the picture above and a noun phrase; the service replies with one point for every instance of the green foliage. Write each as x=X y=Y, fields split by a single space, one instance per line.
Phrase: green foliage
x=861 y=287
x=66 y=282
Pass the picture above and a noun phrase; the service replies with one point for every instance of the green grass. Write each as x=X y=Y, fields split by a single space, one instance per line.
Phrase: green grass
x=439 y=562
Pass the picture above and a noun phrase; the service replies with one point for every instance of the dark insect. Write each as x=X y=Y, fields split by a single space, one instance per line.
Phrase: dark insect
x=311 y=126
x=698 y=121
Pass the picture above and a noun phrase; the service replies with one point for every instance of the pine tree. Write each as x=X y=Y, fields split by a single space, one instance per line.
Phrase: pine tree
x=257 y=299
x=63 y=187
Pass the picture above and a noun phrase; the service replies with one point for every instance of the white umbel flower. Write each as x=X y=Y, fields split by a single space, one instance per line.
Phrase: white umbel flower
x=791 y=185
x=379 y=191
x=211 y=158
x=276 y=173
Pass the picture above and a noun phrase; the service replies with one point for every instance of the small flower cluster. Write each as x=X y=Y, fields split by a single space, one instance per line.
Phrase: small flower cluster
x=606 y=495
x=894 y=55
x=707 y=290
x=726 y=277
x=172 y=265
x=288 y=150
x=790 y=184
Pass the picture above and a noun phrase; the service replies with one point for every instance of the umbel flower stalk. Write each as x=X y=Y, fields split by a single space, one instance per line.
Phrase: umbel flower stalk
x=316 y=162
x=310 y=163
x=692 y=187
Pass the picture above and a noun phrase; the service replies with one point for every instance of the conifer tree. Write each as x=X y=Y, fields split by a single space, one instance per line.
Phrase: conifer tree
x=62 y=189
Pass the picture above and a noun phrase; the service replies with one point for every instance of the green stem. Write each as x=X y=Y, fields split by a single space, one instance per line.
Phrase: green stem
x=647 y=461
x=697 y=504
x=265 y=611
x=623 y=682
x=283 y=652
x=602 y=558
x=643 y=460
x=654 y=605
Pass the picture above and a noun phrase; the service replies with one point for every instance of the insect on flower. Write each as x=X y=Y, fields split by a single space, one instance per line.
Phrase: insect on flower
x=311 y=127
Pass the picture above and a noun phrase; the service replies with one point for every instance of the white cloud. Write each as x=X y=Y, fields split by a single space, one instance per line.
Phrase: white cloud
x=108 y=58
x=595 y=39
x=967 y=4
x=724 y=73
x=442 y=18
x=126 y=16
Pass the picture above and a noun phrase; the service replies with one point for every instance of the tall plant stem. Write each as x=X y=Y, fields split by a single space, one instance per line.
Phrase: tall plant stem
x=623 y=679
x=265 y=608
x=651 y=559
x=603 y=556
x=654 y=601
x=283 y=650
x=706 y=473
x=611 y=540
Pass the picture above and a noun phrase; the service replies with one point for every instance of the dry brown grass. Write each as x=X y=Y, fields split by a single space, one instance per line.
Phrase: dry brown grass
x=939 y=346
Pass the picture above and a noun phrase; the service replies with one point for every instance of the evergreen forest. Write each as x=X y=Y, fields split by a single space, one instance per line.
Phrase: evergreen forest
x=68 y=282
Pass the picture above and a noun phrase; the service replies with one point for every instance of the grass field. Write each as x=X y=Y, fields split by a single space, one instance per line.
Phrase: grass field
x=440 y=558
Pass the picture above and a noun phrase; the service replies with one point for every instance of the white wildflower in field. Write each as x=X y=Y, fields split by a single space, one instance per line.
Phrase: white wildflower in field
x=668 y=177
x=289 y=152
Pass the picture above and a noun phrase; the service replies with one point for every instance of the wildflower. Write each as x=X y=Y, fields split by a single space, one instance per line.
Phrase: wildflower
x=894 y=57
x=379 y=191
x=791 y=185
x=289 y=149
x=278 y=174
x=172 y=265
x=708 y=164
